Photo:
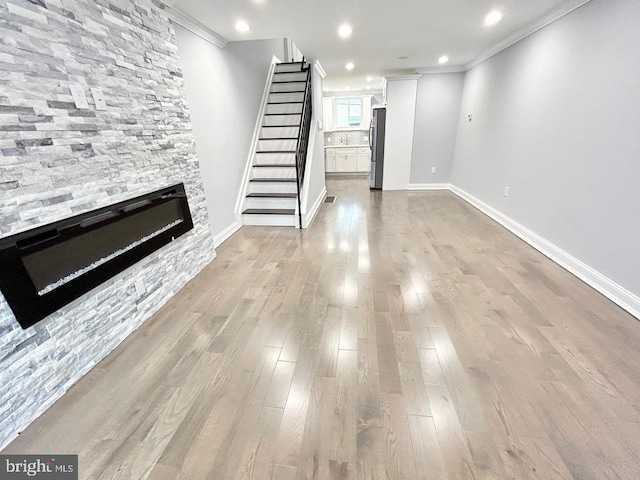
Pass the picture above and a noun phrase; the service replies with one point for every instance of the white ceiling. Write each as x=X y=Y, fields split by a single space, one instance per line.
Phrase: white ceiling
x=383 y=30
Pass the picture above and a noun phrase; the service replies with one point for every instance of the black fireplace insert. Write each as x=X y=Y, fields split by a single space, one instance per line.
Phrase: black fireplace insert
x=43 y=269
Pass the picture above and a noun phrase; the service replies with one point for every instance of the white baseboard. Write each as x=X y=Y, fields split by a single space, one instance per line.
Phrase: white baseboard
x=607 y=287
x=429 y=186
x=308 y=217
x=226 y=233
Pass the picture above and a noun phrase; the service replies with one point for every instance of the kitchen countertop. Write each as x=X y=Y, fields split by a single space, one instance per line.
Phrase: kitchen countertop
x=337 y=145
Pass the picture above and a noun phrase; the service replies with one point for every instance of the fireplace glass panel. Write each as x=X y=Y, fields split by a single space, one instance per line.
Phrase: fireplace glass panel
x=56 y=265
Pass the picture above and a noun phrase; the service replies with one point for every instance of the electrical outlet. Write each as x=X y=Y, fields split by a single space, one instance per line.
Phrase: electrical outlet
x=470 y=116
x=98 y=98
x=434 y=170
x=79 y=98
x=506 y=191
x=141 y=288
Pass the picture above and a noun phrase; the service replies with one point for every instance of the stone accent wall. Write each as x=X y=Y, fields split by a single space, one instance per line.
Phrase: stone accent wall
x=57 y=161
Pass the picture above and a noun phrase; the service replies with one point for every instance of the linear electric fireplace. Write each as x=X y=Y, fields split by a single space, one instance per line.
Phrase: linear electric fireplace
x=43 y=269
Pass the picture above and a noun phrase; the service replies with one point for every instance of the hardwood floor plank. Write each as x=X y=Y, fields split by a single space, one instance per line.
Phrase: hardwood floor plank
x=291 y=434
x=426 y=449
x=280 y=384
x=344 y=429
x=398 y=449
x=349 y=329
x=389 y=372
x=414 y=390
x=368 y=402
x=453 y=442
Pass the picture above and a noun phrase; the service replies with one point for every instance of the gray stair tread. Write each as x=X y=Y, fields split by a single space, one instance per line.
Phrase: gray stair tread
x=269 y=211
x=265 y=152
x=275 y=165
x=275 y=151
x=273 y=195
x=278 y=180
x=278 y=138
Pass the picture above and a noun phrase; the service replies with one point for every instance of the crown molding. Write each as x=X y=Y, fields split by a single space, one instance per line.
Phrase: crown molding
x=319 y=69
x=547 y=19
x=194 y=26
x=430 y=70
x=397 y=78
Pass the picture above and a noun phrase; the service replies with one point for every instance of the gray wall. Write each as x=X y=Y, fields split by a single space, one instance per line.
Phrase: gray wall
x=224 y=88
x=437 y=111
x=57 y=161
x=556 y=118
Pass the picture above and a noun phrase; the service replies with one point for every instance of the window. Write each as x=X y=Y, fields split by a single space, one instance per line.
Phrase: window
x=348 y=112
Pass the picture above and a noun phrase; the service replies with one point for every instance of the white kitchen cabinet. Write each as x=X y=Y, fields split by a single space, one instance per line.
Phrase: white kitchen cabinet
x=364 y=160
x=330 y=159
x=347 y=160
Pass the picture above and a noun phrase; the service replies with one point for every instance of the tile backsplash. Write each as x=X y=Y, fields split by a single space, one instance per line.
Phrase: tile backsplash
x=346 y=137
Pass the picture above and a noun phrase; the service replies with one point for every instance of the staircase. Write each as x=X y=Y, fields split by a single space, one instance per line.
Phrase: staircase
x=277 y=177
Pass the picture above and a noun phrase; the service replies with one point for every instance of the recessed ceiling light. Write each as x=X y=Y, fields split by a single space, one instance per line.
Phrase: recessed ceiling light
x=242 y=26
x=492 y=18
x=345 y=30
x=350 y=66
x=443 y=59
x=369 y=79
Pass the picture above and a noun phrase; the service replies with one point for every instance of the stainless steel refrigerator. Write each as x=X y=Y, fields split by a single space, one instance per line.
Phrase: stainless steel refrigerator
x=376 y=142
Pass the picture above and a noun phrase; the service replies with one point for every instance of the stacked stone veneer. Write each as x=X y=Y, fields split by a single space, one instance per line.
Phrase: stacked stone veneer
x=57 y=161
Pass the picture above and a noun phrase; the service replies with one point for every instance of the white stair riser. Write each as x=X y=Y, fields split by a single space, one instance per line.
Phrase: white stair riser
x=286 y=97
x=270 y=220
x=290 y=77
x=278 y=203
x=287 y=87
x=271 y=158
x=288 y=120
x=289 y=67
x=280 y=132
x=284 y=108
x=274 y=172
x=277 y=145
x=269 y=187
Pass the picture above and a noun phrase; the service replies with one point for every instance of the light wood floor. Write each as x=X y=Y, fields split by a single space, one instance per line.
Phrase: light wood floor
x=404 y=336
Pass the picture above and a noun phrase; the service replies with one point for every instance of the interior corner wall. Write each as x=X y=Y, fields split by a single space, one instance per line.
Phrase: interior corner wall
x=57 y=161
x=437 y=110
x=555 y=118
x=224 y=88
